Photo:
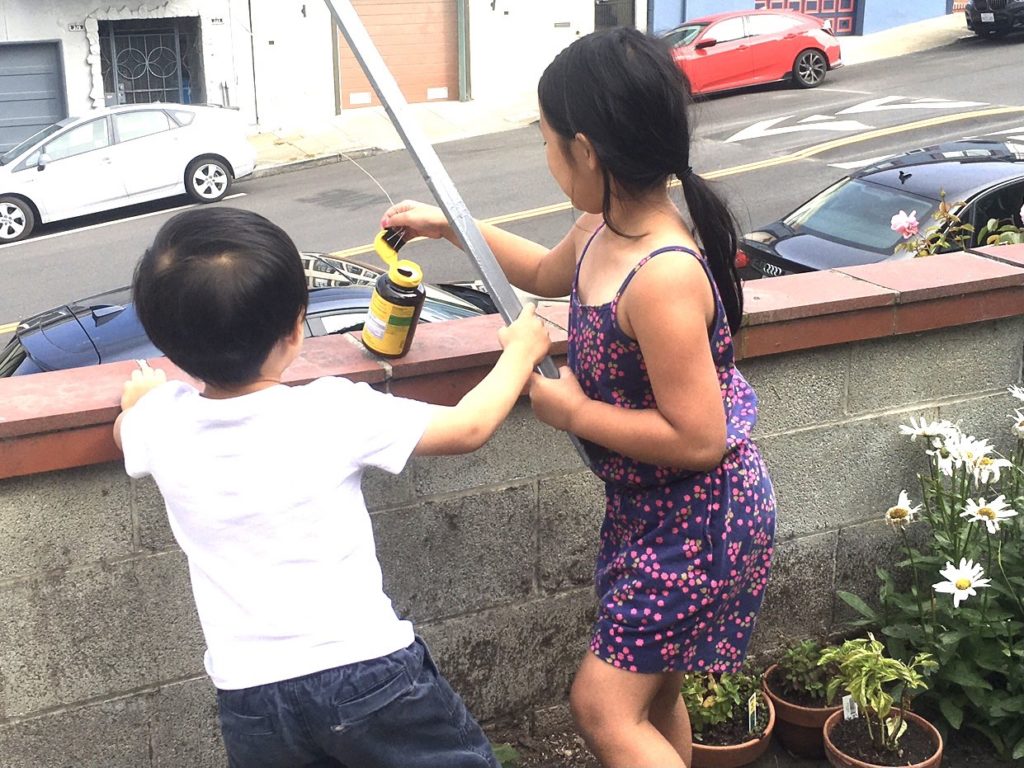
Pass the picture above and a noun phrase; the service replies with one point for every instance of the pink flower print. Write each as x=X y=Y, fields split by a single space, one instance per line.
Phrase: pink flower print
x=905 y=223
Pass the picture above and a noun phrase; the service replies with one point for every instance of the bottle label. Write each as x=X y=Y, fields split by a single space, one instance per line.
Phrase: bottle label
x=387 y=326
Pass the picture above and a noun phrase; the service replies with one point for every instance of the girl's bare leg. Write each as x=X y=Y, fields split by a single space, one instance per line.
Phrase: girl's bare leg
x=612 y=709
x=669 y=716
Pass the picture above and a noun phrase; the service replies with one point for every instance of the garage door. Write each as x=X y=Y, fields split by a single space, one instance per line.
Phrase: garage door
x=31 y=90
x=418 y=40
x=843 y=13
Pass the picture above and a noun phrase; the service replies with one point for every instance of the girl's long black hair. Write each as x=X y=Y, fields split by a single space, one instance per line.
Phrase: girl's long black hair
x=622 y=90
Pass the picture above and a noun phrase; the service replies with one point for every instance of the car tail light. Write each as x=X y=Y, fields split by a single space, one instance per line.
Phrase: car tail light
x=741 y=260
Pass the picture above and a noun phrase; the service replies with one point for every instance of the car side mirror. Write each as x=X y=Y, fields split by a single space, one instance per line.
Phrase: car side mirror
x=707 y=42
x=42 y=162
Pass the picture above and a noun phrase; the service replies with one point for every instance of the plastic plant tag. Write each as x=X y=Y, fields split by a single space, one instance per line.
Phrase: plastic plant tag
x=850 y=711
x=752 y=713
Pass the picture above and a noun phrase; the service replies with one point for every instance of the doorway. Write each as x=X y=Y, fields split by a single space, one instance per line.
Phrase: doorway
x=150 y=60
x=614 y=13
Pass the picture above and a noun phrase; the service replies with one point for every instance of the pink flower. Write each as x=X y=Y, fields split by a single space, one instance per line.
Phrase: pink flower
x=905 y=223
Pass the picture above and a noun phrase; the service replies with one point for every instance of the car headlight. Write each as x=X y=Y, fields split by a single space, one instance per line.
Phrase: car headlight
x=760 y=236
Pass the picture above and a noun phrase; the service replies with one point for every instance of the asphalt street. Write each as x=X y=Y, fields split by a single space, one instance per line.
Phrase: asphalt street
x=769 y=148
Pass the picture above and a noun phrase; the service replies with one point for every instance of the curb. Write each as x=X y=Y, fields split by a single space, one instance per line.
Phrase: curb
x=312 y=162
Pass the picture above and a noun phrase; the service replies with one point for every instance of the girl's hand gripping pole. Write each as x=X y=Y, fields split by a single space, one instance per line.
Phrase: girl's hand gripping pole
x=434 y=174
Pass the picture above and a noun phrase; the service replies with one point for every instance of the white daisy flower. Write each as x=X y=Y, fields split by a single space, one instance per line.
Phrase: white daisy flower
x=989 y=513
x=902 y=513
x=961 y=582
x=1017 y=392
x=934 y=433
x=987 y=469
x=1018 y=424
x=945 y=459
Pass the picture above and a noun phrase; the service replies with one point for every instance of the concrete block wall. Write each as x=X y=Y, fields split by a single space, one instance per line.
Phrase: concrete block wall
x=489 y=554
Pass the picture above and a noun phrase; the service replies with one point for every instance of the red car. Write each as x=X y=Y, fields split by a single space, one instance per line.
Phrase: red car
x=733 y=50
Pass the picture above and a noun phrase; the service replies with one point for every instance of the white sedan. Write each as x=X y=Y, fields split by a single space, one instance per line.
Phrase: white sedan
x=118 y=156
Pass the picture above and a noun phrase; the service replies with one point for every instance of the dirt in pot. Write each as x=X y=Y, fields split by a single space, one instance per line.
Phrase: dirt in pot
x=800 y=698
x=732 y=732
x=851 y=738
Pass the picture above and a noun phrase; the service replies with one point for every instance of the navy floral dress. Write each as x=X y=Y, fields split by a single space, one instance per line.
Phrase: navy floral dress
x=684 y=556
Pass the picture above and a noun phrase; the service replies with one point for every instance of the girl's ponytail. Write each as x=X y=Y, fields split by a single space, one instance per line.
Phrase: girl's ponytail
x=717 y=231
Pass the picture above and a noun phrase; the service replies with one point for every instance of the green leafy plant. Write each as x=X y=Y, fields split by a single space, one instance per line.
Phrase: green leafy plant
x=717 y=700
x=506 y=755
x=1001 y=232
x=871 y=679
x=949 y=229
x=800 y=675
x=967 y=531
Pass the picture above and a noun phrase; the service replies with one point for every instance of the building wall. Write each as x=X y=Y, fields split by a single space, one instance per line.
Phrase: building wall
x=881 y=15
x=489 y=554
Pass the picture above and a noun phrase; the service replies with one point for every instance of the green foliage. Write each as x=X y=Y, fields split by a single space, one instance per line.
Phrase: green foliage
x=800 y=673
x=976 y=637
x=875 y=682
x=506 y=754
x=949 y=232
x=1000 y=232
x=714 y=700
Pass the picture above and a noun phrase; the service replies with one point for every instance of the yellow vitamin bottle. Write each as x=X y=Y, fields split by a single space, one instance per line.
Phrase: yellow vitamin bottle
x=397 y=300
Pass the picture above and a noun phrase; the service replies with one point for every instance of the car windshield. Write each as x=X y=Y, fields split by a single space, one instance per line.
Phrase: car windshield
x=858 y=213
x=49 y=130
x=683 y=35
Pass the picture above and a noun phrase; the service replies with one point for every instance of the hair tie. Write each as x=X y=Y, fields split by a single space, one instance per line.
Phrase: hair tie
x=687 y=173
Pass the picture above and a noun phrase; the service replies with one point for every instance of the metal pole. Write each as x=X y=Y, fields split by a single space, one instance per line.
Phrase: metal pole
x=434 y=174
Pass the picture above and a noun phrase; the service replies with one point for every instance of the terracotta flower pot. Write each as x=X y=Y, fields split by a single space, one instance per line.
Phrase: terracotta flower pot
x=735 y=755
x=797 y=727
x=842 y=760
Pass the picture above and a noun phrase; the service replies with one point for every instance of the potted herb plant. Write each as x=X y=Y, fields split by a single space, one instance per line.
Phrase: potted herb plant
x=731 y=718
x=877 y=733
x=798 y=688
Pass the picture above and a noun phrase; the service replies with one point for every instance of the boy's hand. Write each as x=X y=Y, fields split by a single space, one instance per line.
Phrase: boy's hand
x=418 y=220
x=527 y=333
x=555 y=401
x=142 y=380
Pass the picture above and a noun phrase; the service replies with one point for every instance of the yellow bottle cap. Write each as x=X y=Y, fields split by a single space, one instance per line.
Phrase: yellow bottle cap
x=405 y=274
x=384 y=249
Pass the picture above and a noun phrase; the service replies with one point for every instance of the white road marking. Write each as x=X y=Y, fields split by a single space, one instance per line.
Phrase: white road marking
x=820 y=123
x=890 y=103
x=854 y=164
x=31 y=240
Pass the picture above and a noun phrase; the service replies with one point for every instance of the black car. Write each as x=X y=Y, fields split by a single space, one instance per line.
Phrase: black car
x=105 y=328
x=994 y=18
x=849 y=222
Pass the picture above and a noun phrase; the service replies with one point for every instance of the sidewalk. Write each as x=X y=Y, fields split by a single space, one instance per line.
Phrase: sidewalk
x=368 y=130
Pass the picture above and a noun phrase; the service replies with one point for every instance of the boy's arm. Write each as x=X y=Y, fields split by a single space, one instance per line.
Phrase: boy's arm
x=142 y=380
x=464 y=427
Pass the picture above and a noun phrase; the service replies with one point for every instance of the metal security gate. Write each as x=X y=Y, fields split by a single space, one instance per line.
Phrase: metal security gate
x=149 y=61
x=31 y=90
x=614 y=13
x=842 y=13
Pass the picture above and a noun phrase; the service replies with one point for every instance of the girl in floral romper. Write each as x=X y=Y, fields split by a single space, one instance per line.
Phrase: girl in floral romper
x=651 y=388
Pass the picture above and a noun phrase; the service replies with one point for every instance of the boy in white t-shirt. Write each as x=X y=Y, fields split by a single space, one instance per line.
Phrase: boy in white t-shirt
x=262 y=487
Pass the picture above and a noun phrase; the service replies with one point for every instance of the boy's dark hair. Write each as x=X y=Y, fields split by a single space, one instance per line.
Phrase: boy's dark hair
x=622 y=90
x=217 y=289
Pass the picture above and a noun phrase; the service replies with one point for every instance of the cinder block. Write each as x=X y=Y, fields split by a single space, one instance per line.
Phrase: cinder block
x=798 y=389
x=522 y=448
x=459 y=554
x=63 y=519
x=382 y=490
x=798 y=601
x=572 y=508
x=110 y=734
x=838 y=474
x=183 y=727
x=920 y=367
x=151 y=516
x=509 y=660
x=96 y=632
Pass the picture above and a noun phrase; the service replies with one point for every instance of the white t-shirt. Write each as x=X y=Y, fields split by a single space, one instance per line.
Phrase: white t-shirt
x=263 y=496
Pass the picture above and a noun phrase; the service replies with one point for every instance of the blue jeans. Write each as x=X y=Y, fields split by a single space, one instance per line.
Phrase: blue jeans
x=392 y=712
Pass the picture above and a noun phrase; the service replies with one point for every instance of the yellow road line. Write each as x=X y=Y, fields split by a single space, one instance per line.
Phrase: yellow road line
x=802 y=154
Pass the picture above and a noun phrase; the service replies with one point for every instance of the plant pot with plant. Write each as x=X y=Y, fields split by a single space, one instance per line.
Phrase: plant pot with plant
x=798 y=688
x=731 y=718
x=869 y=732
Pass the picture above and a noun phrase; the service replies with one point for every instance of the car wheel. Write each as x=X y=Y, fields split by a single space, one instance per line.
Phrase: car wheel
x=16 y=219
x=207 y=179
x=809 y=68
